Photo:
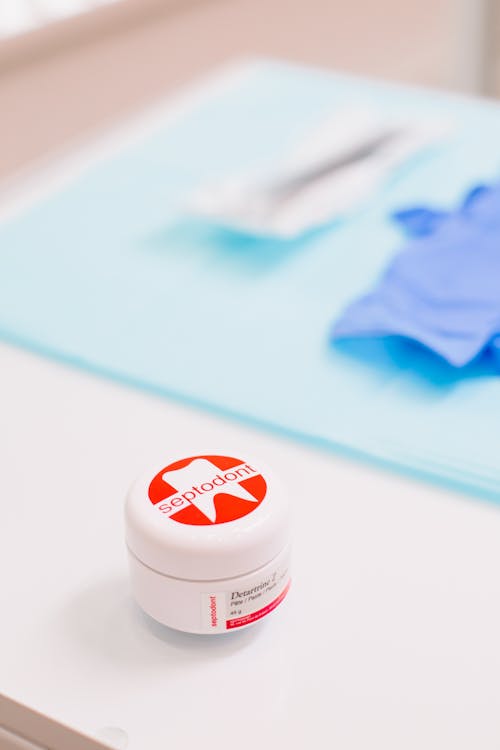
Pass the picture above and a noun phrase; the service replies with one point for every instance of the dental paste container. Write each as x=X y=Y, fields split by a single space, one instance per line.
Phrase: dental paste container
x=209 y=543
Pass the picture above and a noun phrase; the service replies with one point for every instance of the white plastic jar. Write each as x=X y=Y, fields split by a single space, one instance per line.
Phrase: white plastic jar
x=209 y=543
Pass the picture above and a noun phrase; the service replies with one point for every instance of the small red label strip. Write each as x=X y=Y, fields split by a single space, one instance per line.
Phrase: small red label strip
x=247 y=619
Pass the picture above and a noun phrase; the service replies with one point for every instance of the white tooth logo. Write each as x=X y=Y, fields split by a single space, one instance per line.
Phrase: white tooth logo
x=201 y=492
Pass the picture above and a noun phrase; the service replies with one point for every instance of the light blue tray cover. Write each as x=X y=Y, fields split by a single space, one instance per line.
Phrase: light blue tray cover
x=109 y=275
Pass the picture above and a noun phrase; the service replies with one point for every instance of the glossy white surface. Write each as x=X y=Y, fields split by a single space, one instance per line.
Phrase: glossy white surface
x=388 y=639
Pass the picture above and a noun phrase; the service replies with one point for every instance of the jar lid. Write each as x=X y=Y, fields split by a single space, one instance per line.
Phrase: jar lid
x=207 y=517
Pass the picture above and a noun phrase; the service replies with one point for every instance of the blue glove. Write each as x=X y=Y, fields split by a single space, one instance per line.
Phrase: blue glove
x=443 y=289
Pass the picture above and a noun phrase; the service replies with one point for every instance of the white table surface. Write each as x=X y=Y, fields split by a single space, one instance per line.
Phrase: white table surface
x=389 y=638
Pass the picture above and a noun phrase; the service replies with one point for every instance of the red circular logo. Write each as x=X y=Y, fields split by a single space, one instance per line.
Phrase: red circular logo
x=206 y=490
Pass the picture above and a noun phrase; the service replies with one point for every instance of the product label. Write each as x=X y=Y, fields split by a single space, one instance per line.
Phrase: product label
x=233 y=609
x=207 y=490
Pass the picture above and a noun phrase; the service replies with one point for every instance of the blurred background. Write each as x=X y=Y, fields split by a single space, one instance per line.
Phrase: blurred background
x=68 y=68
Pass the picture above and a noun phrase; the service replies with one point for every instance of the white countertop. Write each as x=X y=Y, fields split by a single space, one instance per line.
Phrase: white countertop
x=389 y=638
